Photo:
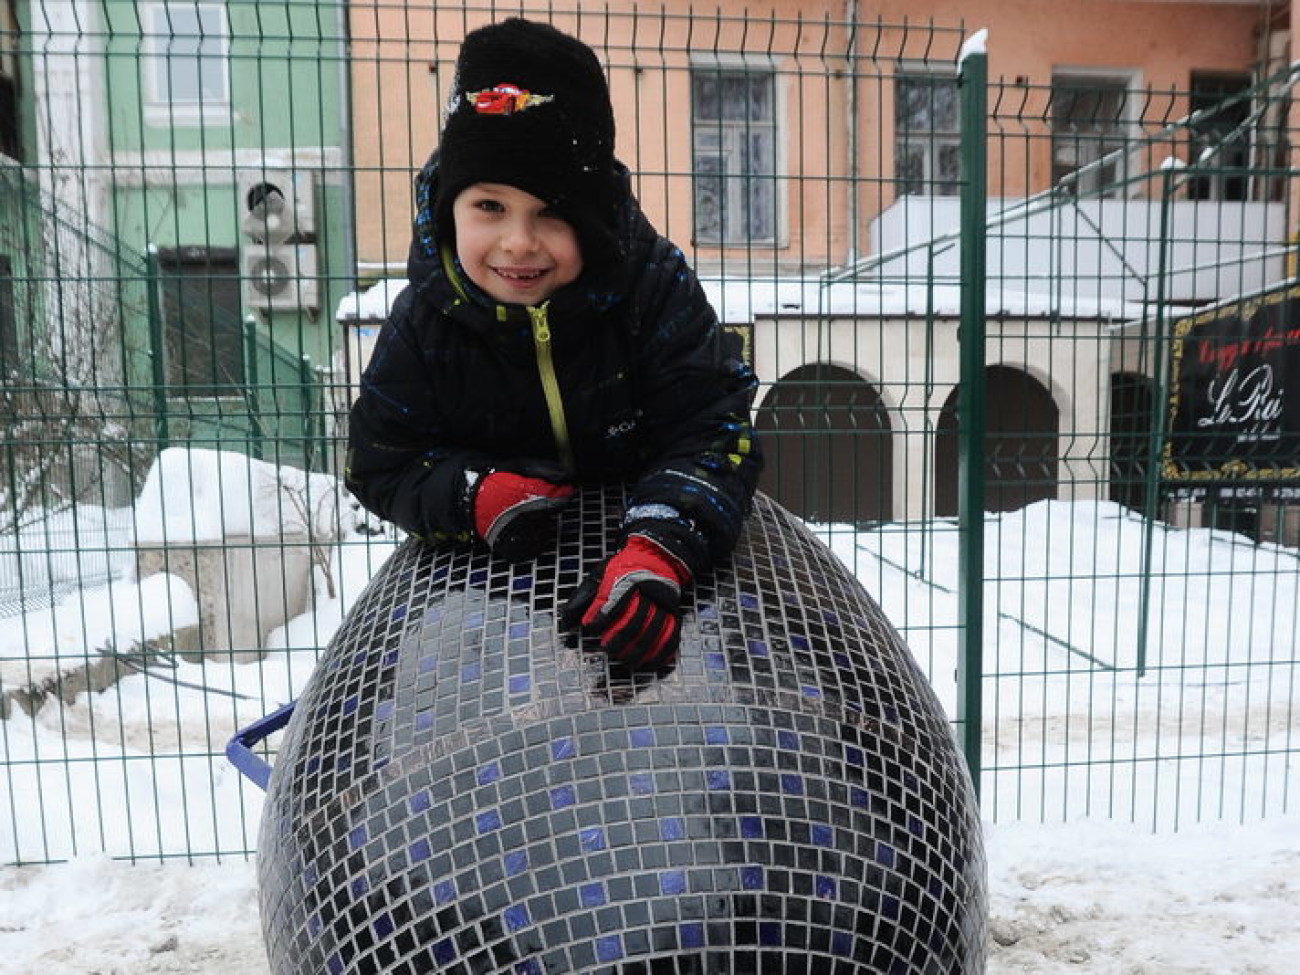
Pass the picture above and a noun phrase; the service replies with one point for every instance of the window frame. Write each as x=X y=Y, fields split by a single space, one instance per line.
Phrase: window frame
x=931 y=139
x=1129 y=80
x=776 y=204
x=1214 y=186
x=158 y=63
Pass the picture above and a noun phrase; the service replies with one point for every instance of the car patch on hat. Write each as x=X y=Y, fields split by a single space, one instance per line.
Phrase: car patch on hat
x=505 y=100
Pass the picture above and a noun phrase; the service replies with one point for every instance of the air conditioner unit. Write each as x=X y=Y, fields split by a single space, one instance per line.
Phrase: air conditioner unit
x=280 y=277
x=294 y=212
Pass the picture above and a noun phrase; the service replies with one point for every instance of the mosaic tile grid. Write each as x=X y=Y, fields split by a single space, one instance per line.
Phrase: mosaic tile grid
x=464 y=788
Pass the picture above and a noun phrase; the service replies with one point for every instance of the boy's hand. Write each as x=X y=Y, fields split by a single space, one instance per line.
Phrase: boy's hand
x=630 y=601
x=516 y=513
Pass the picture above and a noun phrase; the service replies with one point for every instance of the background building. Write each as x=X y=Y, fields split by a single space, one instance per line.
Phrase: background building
x=811 y=166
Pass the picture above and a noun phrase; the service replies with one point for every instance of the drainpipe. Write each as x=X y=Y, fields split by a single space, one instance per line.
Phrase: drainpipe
x=345 y=139
x=851 y=15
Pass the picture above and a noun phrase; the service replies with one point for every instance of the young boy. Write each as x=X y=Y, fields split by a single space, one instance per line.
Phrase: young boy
x=550 y=337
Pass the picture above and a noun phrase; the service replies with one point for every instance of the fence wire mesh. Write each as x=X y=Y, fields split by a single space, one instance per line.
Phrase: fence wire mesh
x=175 y=546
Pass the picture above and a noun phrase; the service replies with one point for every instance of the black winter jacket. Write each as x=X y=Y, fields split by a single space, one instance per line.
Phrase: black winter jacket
x=623 y=375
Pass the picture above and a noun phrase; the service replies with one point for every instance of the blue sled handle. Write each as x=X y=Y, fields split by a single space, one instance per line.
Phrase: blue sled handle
x=239 y=750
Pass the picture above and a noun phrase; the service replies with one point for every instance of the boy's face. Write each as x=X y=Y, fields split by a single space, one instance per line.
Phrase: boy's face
x=512 y=245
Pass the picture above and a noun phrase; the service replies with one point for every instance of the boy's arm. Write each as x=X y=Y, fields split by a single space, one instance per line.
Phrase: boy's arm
x=696 y=395
x=396 y=465
x=687 y=509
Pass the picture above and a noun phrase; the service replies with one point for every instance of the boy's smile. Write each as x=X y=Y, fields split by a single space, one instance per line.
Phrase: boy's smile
x=513 y=245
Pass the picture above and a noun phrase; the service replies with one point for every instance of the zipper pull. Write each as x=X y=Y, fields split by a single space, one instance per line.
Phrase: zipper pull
x=541 y=325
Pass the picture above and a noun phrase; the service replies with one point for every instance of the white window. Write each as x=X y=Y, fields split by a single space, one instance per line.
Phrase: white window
x=927 y=133
x=187 y=68
x=735 y=154
x=1091 y=132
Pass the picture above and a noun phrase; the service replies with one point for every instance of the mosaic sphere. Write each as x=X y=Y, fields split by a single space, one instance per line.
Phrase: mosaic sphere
x=466 y=787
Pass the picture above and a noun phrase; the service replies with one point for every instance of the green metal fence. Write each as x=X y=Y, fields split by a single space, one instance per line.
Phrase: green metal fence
x=995 y=319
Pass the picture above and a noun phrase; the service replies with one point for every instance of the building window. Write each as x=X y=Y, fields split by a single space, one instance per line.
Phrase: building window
x=11 y=128
x=927 y=134
x=1090 y=125
x=202 y=327
x=187 y=70
x=1224 y=129
x=735 y=149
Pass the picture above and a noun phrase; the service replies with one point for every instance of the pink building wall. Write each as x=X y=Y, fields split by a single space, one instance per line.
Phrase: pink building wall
x=834 y=133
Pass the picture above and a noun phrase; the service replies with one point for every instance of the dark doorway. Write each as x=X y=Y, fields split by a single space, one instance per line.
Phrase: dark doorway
x=826 y=436
x=201 y=320
x=1022 y=425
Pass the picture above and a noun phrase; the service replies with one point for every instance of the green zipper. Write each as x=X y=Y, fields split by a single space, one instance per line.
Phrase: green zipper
x=550 y=383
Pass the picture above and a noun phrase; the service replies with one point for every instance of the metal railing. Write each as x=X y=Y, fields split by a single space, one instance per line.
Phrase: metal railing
x=973 y=304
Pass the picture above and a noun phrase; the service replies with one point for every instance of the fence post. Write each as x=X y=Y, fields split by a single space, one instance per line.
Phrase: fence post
x=973 y=79
x=1151 y=501
x=313 y=449
x=157 y=348
x=252 y=392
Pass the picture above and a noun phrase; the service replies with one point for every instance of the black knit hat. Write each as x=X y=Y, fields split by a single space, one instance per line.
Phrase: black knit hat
x=530 y=108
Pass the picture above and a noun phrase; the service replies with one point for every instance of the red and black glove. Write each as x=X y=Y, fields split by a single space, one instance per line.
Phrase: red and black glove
x=630 y=602
x=515 y=511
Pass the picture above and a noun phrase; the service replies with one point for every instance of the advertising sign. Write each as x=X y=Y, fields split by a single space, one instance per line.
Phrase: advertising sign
x=1235 y=396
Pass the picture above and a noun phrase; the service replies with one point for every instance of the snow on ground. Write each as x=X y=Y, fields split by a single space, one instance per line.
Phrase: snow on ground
x=1136 y=826
x=1088 y=897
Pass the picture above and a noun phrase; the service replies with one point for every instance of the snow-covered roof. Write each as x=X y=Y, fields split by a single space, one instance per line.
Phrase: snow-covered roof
x=743 y=300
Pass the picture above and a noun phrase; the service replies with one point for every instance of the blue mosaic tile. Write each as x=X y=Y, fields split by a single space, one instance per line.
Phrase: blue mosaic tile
x=672 y=828
x=717 y=779
x=563 y=748
x=672 y=882
x=563 y=796
x=516 y=917
x=516 y=862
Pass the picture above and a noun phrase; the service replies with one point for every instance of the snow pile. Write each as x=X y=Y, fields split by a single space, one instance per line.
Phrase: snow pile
x=195 y=495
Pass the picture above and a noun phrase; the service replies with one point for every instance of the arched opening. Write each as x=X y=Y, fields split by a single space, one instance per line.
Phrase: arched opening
x=826 y=436
x=1022 y=425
